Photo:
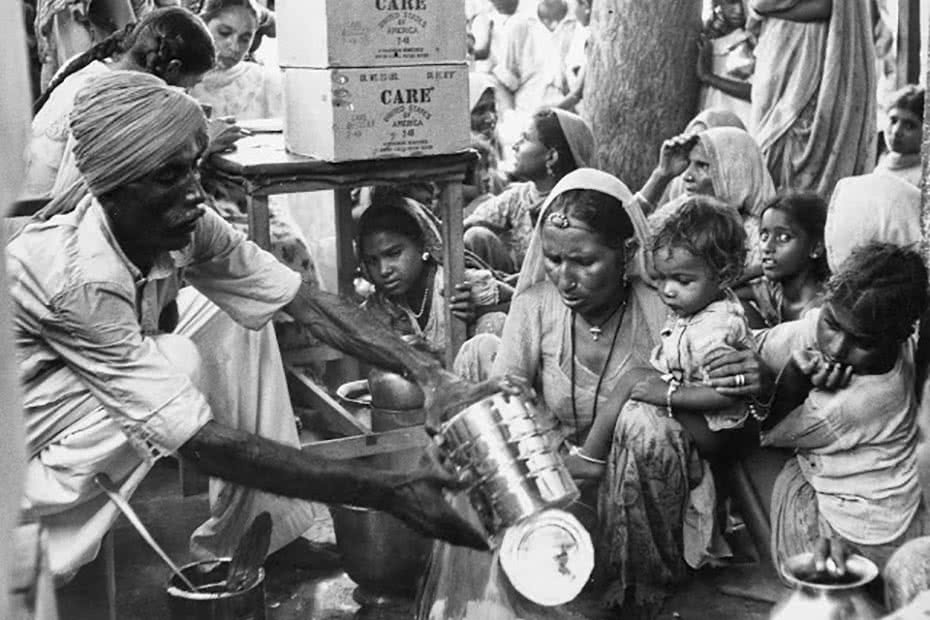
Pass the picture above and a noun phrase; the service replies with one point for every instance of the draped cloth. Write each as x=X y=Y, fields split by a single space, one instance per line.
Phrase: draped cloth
x=118 y=110
x=872 y=207
x=813 y=96
x=579 y=136
x=715 y=117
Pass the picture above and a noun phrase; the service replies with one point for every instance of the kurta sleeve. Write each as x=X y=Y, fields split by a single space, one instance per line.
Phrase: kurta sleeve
x=494 y=211
x=248 y=283
x=93 y=327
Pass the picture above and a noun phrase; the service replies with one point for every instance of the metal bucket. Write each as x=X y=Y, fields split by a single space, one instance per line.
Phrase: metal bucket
x=381 y=554
x=215 y=603
x=511 y=457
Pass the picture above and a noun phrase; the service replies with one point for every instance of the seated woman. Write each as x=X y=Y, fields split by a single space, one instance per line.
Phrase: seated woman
x=237 y=87
x=794 y=260
x=903 y=134
x=555 y=143
x=170 y=43
x=722 y=162
x=846 y=404
x=400 y=253
x=583 y=277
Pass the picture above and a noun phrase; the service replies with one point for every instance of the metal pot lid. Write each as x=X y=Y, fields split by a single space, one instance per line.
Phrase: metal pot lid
x=355 y=392
x=548 y=557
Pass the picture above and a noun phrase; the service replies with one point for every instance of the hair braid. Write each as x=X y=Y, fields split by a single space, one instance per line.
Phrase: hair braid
x=108 y=47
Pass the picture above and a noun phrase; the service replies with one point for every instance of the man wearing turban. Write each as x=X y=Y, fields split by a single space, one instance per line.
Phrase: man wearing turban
x=104 y=392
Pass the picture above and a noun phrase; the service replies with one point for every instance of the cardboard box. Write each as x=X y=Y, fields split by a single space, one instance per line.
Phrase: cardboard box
x=376 y=112
x=368 y=33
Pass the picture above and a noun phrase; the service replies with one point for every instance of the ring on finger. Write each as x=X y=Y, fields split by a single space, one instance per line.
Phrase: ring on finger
x=740 y=380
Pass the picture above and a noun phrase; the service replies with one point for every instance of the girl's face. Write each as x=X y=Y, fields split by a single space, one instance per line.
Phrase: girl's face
x=484 y=114
x=733 y=12
x=587 y=273
x=232 y=31
x=686 y=283
x=583 y=12
x=531 y=155
x=786 y=248
x=697 y=175
x=903 y=132
x=845 y=339
x=394 y=262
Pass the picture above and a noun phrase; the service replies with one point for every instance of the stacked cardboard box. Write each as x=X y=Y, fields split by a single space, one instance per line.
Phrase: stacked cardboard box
x=367 y=79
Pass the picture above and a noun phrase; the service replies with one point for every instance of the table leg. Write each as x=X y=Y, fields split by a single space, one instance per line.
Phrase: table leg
x=453 y=260
x=259 y=225
x=347 y=368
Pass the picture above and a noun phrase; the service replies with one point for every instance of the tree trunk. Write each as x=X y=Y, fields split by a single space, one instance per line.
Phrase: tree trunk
x=641 y=86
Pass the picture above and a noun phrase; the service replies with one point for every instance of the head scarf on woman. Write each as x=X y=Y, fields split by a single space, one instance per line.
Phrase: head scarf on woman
x=579 y=136
x=714 y=117
x=478 y=84
x=737 y=170
x=872 y=207
x=534 y=269
x=126 y=124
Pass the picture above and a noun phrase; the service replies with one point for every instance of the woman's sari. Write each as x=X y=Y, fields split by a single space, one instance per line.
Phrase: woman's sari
x=651 y=467
x=813 y=96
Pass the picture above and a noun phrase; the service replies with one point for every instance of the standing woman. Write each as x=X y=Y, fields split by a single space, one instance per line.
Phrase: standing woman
x=554 y=143
x=813 y=93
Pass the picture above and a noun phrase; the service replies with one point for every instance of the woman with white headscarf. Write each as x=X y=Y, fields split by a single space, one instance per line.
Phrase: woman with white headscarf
x=554 y=143
x=726 y=163
x=584 y=278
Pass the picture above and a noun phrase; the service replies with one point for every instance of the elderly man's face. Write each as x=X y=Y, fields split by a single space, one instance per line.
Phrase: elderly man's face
x=158 y=212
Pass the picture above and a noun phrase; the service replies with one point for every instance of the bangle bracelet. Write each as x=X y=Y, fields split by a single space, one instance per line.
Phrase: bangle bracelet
x=672 y=386
x=577 y=451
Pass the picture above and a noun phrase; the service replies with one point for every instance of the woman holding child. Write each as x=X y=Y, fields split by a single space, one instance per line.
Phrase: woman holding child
x=581 y=329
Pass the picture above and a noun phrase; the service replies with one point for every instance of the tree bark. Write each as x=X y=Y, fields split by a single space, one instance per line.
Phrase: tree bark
x=641 y=85
x=925 y=180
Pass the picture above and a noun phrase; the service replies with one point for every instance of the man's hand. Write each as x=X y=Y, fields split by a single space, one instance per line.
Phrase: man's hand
x=419 y=502
x=823 y=374
x=451 y=394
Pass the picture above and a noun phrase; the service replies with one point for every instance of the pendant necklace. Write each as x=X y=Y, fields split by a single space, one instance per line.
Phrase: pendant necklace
x=597 y=330
x=600 y=378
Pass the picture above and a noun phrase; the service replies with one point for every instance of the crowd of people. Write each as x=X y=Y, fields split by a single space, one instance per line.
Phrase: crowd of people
x=757 y=303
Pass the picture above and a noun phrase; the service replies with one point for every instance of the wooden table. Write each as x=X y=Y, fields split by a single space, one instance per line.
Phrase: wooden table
x=261 y=166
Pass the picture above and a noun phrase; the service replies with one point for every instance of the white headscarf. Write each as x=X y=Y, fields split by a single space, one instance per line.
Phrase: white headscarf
x=534 y=269
x=579 y=136
x=872 y=207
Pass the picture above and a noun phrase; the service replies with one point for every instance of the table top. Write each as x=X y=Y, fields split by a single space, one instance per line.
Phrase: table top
x=263 y=155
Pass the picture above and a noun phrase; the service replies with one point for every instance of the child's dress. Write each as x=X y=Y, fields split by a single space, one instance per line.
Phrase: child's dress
x=732 y=59
x=687 y=341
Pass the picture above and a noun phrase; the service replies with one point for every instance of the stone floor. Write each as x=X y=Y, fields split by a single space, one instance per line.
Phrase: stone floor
x=325 y=592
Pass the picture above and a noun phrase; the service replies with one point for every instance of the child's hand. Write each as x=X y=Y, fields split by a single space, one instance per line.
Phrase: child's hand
x=462 y=304
x=823 y=374
x=673 y=156
x=222 y=134
x=652 y=390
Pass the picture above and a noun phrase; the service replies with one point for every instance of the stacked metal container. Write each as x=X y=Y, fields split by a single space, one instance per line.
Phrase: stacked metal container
x=369 y=79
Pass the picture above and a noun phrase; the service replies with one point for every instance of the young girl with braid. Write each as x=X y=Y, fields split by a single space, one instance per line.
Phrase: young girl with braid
x=845 y=402
x=171 y=43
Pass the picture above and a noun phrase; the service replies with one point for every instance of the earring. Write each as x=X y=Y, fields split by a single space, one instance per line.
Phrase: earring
x=425 y=256
x=549 y=169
